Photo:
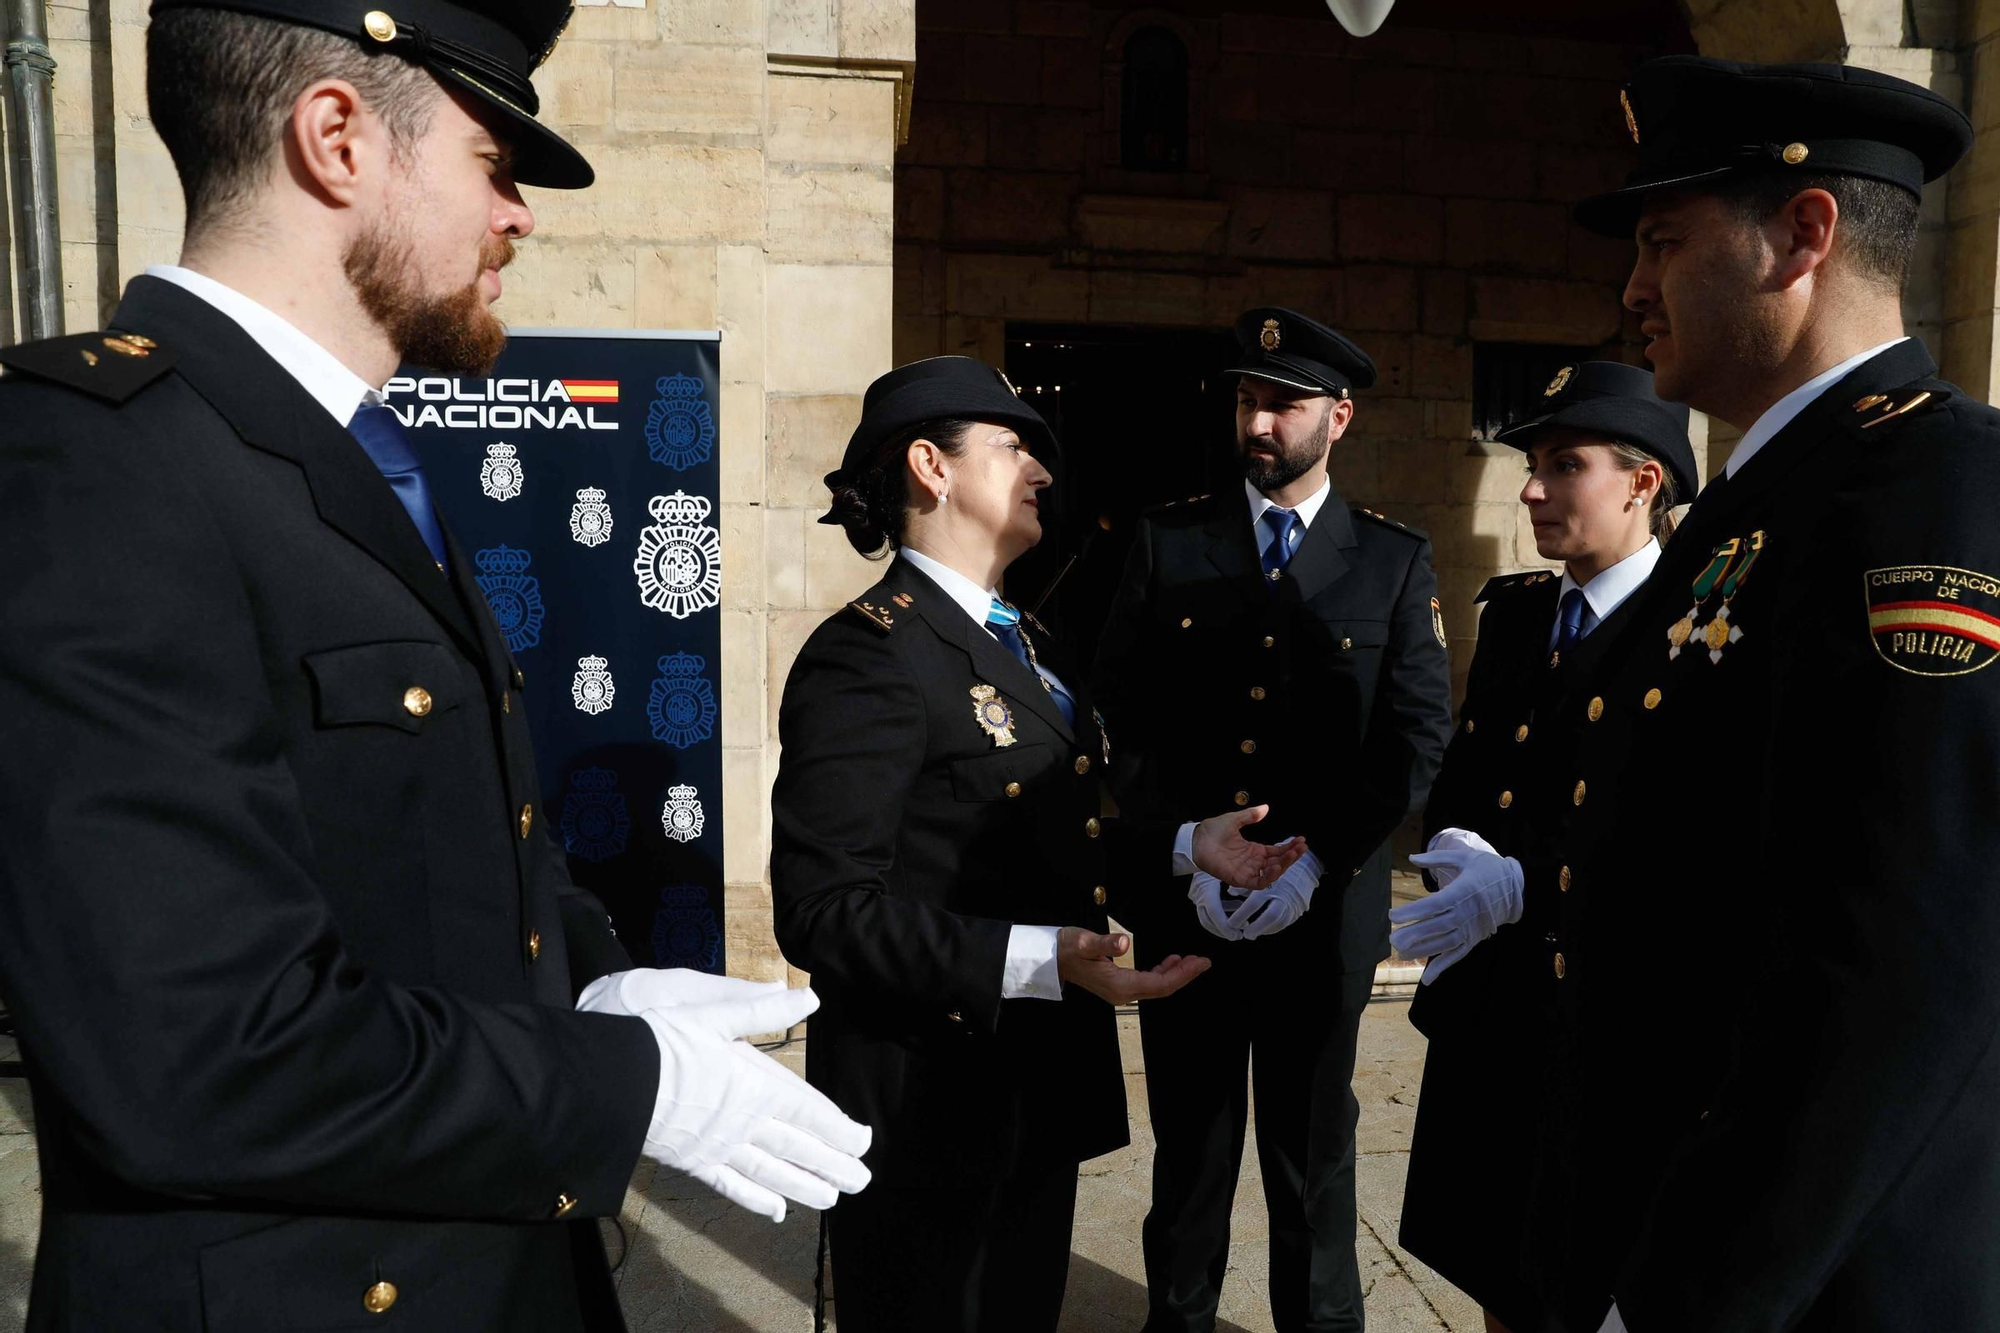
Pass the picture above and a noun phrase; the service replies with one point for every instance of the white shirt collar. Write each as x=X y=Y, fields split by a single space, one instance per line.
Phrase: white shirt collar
x=1307 y=509
x=1779 y=414
x=970 y=597
x=1612 y=586
x=319 y=372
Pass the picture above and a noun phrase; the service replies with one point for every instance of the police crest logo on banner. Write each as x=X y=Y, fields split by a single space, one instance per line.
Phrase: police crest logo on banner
x=679 y=565
x=501 y=476
x=680 y=426
x=592 y=689
x=590 y=518
x=514 y=594
x=682 y=704
x=595 y=822
x=681 y=816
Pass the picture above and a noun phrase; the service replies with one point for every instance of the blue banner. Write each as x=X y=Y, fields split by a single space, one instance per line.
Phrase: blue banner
x=582 y=478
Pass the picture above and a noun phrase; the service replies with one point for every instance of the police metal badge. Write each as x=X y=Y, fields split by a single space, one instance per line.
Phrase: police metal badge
x=681 y=816
x=1561 y=379
x=679 y=564
x=501 y=476
x=1270 y=337
x=592 y=690
x=995 y=718
x=1631 y=120
x=1934 y=620
x=590 y=518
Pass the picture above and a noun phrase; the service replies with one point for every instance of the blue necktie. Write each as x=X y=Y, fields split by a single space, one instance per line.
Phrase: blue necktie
x=381 y=436
x=1570 y=620
x=1005 y=622
x=1285 y=524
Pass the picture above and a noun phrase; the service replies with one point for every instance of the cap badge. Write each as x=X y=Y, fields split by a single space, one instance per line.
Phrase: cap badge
x=1556 y=384
x=1009 y=383
x=1795 y=153
x=1270 y=337
x=379 y=26
x=1631 y=121
x=995 y=718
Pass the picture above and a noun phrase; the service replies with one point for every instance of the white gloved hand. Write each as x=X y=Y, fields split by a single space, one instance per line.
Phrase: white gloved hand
x=629 y=994
x=1455 y=840
x=1211 y=908
x=1613 y=1322
x=1485 y=894
x=1269 y=911
x=740 y=1122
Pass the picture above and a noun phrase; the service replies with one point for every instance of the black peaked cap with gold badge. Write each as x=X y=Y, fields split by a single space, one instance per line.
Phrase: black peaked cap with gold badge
x=1612 y=399
x=932 y=389
x=1699 y=121
x=1288 y=348
x=487 y=51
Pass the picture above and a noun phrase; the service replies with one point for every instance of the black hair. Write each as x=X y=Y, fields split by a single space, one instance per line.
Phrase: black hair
x=872 y=503
x=220 y=88
x=1878 y=221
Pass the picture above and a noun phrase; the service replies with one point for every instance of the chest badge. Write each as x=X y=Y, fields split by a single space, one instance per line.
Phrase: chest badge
x=995 y=718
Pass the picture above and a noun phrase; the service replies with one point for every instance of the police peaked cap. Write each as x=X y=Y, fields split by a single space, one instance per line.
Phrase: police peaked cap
x=1611 y=399
x=1287 y=348
x=1699 y=121
x=932 y=389
x=486 y=51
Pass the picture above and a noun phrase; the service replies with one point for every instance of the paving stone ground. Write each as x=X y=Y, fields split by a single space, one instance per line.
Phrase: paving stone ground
x=695 y=1264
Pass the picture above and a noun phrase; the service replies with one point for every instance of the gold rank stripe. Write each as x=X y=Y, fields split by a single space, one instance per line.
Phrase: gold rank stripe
x=1938 y=617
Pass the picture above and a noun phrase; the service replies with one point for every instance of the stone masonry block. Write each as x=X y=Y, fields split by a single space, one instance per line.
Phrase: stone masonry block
x=1007 y=70
x=745 y=849
x=1443 y=302
x=1280 y=224
x=1507 y=234
x=1470 y=168
x=835 y=573
x=725 y=22
x=1413 y=472
x=945 y=134
x=1038 y=138
x=676 y=287
x=1362 y=163
x=785 y=557
x=742 y=440
x=1441 y=368
x=1052 y=18
x=830 y=215
x=919 y=204
x=830 y=333
x=828 y=121
x=808 y=433
x=803 y=27
x=683 y=89
x=1072 y=73
x=571 y=284
x=1016 y=287
x=1121 y=297
x=1381 y=298
x=1543 y=310
x=878 y=29
x=1008 y=208
x=662 y=194
x=739 y=281
x=1398 y=228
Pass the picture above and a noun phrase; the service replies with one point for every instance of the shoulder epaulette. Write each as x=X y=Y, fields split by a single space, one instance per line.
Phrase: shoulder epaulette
x=1899 y=404
x=112 y=366
x=1388 y=522
x=1508 y=582
x=1172 y=505
x=881 y=617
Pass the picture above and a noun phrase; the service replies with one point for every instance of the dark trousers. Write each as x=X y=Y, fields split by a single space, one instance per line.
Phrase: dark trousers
x=1206 y=1048
x=986 y=1256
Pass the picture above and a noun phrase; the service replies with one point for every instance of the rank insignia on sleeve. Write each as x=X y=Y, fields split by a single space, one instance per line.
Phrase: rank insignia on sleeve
x=1934 y=620
x=995 y=718
x=1437 y=621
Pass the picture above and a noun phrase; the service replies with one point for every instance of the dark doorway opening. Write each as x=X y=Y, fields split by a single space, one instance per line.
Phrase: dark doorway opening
x=1146 y=416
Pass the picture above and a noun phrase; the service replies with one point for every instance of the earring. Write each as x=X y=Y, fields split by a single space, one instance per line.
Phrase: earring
x=942 y=497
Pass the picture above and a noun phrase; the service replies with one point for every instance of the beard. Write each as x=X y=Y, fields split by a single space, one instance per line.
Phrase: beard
x=455 y=333
x=1286 y=466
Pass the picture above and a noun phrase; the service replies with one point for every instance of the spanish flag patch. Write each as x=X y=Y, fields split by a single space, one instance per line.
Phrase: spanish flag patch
x=1934 y=620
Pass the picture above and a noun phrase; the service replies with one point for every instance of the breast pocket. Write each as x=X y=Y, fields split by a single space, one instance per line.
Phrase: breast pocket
x=1006 y=774
x=400 y=685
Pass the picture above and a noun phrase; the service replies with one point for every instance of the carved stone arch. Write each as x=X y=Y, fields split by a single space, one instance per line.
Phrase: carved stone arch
x=1200 y=60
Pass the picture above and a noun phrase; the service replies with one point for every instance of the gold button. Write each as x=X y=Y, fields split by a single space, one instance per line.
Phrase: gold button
x=563 y=1204
x=1596 y=709
x=1506 y=799
x=1256 y=691
x=378 y=1298
x=1577 y=795
x=1186 y=623
x=520 y=681
x=1098 y=895
x=1796 y=153
x=527 y=818
x=1521 y=732
x=1092 y=827
x=534 y=945
x=380 y=26
x=1013 y=789
x=140 y=340
x=1562 y=879
x=1562 y=968
x=1345 y=644
x=417 y=701
x=955 y=1016
x=1082 y=764
x=1652 y=700
x=1242 y=798
x=1470 y=726
x=1270 y=642
x=1248 y=747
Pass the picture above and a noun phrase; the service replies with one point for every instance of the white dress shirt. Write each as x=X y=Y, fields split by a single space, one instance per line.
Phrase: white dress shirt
x=319 y=372
x=1611 y=587
x=1779 y=414
x=1307 y=510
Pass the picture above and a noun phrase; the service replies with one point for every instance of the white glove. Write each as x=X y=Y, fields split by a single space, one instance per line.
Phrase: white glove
x=1455 y=840
x=1484 y=895
x=725 y=1113
x=1613 y=1322
x=1268 y=911
x=1211 y=908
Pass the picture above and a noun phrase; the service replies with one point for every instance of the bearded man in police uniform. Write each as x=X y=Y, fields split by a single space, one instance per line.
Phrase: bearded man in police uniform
x=1773 y=1107
x=1272 y=645
x=292 y=958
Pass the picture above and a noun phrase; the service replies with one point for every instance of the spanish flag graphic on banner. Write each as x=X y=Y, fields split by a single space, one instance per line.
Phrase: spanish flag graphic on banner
x=591 y=391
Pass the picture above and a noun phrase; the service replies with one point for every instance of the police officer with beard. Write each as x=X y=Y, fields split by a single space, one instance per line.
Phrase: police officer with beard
x=1271 y=645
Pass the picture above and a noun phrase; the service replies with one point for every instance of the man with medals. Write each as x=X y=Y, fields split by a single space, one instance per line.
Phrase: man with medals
x=1271 y=645
x=1769 y=866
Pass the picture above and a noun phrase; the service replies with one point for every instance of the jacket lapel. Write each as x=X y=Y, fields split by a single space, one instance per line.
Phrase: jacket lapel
x=270 y=411
x=1232 y=549
x=990 y=662
x=1319 y=562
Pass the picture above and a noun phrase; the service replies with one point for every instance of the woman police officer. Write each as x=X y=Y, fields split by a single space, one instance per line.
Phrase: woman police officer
x=1607 y=462
x=942 y=864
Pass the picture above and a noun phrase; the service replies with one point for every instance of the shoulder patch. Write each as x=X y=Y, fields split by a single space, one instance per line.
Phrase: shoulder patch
x=878 y=616
x=110 y=365
x=1508 y=582
x=1388 y=522
x=1899 y=404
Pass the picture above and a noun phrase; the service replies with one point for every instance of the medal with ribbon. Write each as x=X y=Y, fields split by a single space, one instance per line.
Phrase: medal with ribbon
x=1724 y=574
